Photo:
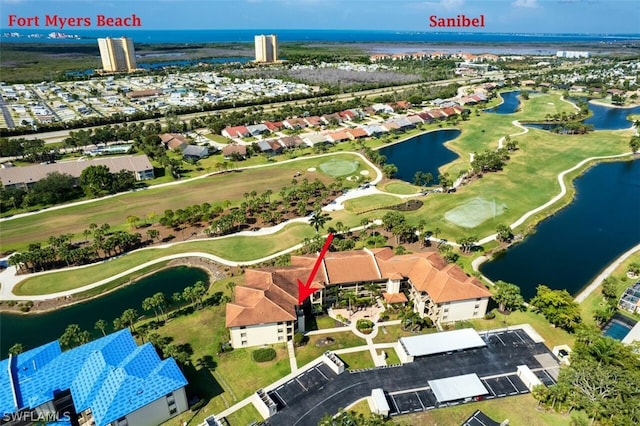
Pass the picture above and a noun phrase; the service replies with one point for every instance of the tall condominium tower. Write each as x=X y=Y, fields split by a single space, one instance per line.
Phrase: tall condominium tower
x=117 y=54
x=266 y=48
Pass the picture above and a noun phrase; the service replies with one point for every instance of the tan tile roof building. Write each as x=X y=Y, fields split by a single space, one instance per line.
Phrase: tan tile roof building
x=269 y=295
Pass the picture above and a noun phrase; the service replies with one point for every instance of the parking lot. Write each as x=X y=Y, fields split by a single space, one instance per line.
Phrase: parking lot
x=305 y=399
x=294 y=389
x=424 y=399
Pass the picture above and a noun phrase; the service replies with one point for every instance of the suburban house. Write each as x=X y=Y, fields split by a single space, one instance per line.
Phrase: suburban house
x=234 y=150
x=174 y=141
x=110 y=381
x=24 y=177
x=264 y=309
x=195 y=152
x=236 y=132
x=258 y=129
x=630 y=299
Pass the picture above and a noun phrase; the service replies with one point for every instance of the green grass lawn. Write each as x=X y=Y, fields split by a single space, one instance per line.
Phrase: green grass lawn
x=595 y=301
x=392 y=356
x=310 y=351
x=552 y=336
x=17 y=233
x=401 y=188
x=245 y=416
x=240 y=248
x=370 y=202
x=358 y=360
x=394 y=332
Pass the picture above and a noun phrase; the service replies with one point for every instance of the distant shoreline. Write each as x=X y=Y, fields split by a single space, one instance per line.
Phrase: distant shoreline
x=604 y=104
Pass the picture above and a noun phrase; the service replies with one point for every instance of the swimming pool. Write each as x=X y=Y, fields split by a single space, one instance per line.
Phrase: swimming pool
x=618 y=327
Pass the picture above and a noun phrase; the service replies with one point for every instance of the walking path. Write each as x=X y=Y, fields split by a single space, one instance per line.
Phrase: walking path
x=295 y=371
x=604 y=274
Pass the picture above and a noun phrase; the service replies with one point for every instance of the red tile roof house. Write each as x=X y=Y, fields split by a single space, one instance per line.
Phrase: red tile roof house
x=274 y=126
x=347 y=115
x=264 y=309
x=356 y=133
x=314 y=121
x=236 y=132
x=339 y=136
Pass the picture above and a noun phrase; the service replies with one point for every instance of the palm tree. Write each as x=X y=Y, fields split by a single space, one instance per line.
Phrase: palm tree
x=102 y=326
x=318 y=220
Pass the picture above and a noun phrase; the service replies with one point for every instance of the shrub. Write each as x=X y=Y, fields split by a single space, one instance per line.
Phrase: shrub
x=364 y=325
x=490 y=315
x=300 y=339
x=264 y=354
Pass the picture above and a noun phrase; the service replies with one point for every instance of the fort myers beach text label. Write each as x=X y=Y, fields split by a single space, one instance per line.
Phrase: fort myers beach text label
x=61 y=22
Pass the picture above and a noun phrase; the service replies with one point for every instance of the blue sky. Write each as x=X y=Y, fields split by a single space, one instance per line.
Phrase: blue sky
x=521 y=16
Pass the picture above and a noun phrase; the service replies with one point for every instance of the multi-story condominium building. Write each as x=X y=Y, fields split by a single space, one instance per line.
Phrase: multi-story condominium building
x=117 y=54
x=266 y=48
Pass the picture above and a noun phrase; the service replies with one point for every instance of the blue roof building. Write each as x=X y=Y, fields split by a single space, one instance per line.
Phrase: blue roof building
x=111 y=381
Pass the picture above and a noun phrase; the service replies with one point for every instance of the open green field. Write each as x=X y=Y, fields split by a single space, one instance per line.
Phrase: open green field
x=358 y=360
x=17 y=233
x=399 y=187
x=244 y=247
x=312 y=350
x=371 y=202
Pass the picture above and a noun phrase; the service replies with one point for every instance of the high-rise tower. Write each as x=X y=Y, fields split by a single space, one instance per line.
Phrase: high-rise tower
x=117 y=54
x=266 y=48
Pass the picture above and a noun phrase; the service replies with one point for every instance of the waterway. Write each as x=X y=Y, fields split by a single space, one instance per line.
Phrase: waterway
x=36 y=329
x=509 y=105
x=570 y=248
x=602 y=118
x=424 y=153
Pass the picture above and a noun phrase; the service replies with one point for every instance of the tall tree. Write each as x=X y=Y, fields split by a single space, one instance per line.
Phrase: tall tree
x=508 y=296
x=319 y=219
x=102 y=326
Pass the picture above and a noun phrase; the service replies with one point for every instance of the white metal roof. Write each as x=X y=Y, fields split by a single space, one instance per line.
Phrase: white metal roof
x=379 y=400
x=457 y=387
x=446 y=341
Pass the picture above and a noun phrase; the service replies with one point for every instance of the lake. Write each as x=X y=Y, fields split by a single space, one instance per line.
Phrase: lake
x=509 y=105
x=424 y=153
x=570 y=248
x=36 y=329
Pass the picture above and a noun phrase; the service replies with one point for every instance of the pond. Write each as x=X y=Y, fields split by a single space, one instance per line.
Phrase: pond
x=602 y=118
x=570 y=248
x=509 y=105
x=424 y=153
x=36 y=329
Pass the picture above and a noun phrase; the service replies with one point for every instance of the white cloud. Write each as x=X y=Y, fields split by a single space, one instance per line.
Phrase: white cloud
x=526 y=3
x=446 y=4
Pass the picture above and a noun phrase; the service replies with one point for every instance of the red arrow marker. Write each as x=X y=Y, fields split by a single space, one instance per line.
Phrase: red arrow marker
x=305 y=290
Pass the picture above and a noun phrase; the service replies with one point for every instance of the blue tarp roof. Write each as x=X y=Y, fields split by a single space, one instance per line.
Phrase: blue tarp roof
x=112 y=375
